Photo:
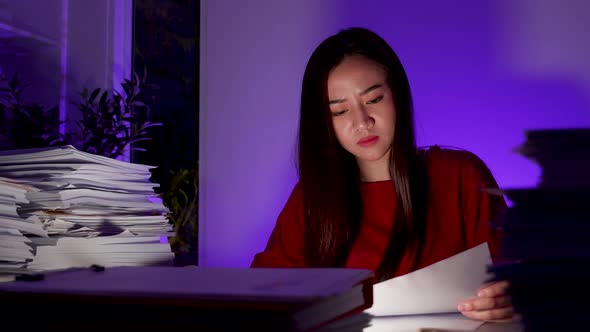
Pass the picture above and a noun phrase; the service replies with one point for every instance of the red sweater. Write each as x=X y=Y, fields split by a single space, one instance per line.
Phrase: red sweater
x=457 y=217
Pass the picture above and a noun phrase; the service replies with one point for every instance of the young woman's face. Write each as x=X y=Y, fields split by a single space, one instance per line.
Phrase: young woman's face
x=363 y=113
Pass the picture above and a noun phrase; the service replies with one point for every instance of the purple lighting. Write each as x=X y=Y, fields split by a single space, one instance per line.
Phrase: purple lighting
x=482 y=72
x=63 y=90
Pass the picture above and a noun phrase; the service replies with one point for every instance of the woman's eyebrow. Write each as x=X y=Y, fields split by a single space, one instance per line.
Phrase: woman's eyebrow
x=371 y=88
x=364 y=92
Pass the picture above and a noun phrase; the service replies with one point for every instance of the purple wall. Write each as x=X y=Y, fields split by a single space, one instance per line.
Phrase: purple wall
x=482 y=72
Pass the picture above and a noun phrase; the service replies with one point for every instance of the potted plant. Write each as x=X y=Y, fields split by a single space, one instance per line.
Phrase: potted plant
x=181 y=198
x=113 y=122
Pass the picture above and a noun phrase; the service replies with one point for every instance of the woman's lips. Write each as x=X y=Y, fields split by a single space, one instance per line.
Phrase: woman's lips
x=368 y=141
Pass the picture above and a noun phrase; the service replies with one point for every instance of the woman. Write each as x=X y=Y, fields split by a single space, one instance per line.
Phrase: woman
x=367 y=197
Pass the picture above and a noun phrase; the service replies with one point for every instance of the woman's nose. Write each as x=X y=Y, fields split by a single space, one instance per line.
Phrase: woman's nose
x=362 y=118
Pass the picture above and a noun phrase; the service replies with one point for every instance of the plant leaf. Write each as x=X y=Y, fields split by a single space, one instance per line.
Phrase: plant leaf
x=94 y=94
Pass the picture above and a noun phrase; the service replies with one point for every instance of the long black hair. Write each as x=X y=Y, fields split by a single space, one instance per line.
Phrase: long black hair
x=329 y=175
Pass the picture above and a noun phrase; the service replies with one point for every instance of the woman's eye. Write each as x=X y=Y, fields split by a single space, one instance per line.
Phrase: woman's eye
x=339 y=113
x=375 y=100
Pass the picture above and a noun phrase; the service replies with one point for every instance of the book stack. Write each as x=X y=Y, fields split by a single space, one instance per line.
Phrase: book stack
x=547 y=233
x=202 y=299
x=94 y=209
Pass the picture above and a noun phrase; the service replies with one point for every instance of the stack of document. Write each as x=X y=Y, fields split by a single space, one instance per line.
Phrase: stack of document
x=92 y=198
x=15 y=248
x=125 y=249
x=547 y=233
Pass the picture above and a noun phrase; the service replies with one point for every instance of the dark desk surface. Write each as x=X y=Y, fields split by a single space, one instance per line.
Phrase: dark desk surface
x=501 y=327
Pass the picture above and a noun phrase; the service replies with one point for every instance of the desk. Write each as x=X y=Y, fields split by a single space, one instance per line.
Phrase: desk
x=501 y=327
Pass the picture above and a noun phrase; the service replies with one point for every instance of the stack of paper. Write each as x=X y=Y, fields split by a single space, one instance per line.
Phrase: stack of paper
x=15 y=248
x=125 y=249
x=92 y=198
x=547 y=232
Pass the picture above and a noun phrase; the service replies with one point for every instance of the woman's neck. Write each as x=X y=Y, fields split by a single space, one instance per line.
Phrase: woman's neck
x=374 y=171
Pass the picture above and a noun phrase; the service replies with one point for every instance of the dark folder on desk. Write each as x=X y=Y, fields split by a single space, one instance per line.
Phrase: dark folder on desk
x=200 y=299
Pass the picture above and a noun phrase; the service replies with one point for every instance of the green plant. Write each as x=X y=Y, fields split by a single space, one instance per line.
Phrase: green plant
x=181 y=198
x=113 y=121
x=25 y=125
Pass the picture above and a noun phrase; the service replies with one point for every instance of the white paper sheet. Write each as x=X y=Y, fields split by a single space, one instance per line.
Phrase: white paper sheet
x=437 y=288
x=413 y=323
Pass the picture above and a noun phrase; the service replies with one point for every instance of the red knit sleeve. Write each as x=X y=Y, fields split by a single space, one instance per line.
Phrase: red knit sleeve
x=479 y=208
x=285 y=245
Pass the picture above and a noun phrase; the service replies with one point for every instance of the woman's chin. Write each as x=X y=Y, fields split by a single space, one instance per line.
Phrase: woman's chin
x=369 y=157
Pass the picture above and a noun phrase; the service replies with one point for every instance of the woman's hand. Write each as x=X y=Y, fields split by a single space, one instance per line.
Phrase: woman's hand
x=491 y=303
